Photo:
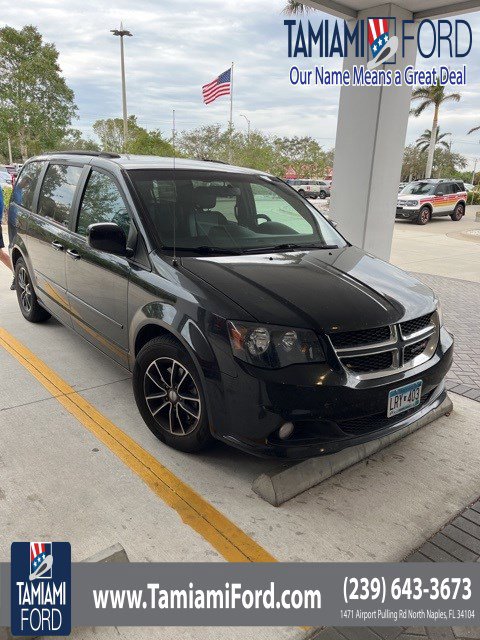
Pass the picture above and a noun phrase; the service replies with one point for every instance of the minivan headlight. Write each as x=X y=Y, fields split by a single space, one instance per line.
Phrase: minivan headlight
x=413 y=203
x=271 y=346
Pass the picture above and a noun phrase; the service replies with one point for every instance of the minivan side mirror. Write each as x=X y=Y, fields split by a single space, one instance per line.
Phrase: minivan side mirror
x=108 y=237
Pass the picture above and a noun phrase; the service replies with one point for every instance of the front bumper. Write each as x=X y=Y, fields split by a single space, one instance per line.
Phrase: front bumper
x=330 y=409
x=406 y=214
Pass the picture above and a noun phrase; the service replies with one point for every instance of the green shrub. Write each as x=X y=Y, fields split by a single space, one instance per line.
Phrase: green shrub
x=7 y=194
x=473 y=197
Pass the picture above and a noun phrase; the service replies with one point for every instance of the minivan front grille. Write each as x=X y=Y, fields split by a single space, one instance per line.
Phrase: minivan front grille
x=375 y=362
x=412 y=326
x=414 y=350
x=378 y=351
x=346 y=339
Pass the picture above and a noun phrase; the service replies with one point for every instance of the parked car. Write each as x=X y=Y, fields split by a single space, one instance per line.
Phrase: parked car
x=243 y=314
x=5 y=179
x=421 y=200
x=311 y=188
x=469 y=187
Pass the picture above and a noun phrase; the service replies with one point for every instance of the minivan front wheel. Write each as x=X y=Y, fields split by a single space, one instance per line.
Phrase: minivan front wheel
x=169 y=395
x=27 y=300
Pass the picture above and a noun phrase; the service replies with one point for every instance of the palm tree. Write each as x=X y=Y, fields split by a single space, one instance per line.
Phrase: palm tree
x=294 y=8
x=423 y=142
x=431 y=96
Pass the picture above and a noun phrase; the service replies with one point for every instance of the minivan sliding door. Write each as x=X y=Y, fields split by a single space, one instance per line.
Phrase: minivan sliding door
x=49 y=236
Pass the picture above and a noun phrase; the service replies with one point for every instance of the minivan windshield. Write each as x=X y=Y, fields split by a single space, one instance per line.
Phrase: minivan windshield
x=418 y=189
x=206 y=211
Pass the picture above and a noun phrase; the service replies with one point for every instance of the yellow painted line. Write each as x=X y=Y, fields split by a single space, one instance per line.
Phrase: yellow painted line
x=224 y=536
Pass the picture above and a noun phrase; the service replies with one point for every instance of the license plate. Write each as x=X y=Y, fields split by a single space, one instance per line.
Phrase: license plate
x=404 y=398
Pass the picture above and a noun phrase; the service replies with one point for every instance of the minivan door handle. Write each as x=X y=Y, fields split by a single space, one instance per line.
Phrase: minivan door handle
x=74 y=254
x=57 y=246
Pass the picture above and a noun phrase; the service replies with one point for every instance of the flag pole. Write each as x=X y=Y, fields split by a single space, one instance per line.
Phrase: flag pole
x=231 y=97
x=231 y=112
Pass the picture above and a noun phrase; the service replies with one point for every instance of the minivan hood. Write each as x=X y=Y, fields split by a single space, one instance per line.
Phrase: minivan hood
x=339 y=289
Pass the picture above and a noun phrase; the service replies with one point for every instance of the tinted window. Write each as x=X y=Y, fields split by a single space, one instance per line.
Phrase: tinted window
x=227 y=211
x=57 y=192
x=102 y=202
x=442 y=189
x=25 y=186
x=455 y=187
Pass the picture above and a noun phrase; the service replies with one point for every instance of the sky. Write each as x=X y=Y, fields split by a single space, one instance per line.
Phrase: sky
x=179 y=45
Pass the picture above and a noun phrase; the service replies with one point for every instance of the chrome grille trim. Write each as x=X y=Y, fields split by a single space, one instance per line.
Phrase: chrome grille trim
x=397 y=344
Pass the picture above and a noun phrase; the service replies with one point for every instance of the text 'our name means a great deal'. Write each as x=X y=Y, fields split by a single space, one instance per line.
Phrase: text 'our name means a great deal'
x=360 y=76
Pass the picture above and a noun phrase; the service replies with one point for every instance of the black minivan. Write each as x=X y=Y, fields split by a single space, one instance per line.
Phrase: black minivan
x=243 y=314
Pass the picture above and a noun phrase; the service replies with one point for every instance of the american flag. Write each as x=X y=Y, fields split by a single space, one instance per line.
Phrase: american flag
x=38 y=553
x=221 y=86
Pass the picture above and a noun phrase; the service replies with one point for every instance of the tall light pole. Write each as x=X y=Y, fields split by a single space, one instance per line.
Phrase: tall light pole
x=10 y=159
x=123 y=32
x=248 y=126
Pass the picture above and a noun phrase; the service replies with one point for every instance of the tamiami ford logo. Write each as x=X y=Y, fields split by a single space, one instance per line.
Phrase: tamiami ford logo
x=40 y=587
x=382 y=41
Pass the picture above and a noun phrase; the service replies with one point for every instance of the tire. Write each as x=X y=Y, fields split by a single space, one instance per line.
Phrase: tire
x=27 y=299
x=458 y=212
x=302 y=193
x=322 y=195
x=424 y=216
x=169 y=395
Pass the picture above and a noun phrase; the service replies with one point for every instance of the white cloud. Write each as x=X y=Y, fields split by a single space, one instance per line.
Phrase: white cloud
x=178 y=46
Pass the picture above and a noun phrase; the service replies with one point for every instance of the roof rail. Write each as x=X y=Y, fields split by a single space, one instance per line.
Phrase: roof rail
x=76 y=152
x=211 y=160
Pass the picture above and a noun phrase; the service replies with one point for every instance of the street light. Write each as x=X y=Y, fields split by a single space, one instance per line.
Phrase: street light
x=123 y=32
x=248 y=126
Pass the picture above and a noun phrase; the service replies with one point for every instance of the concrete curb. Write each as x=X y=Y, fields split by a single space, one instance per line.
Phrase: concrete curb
x=278 y=486
x=115 y=553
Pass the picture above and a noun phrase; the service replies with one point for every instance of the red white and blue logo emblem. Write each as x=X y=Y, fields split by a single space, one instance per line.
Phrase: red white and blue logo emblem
x=383 y=46
x=40 y=589
x=41 y=560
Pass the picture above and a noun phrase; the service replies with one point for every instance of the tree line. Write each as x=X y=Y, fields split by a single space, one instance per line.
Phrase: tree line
x=37 y=109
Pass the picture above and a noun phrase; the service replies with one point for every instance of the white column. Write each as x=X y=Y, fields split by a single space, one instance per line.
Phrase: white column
x=371 y=130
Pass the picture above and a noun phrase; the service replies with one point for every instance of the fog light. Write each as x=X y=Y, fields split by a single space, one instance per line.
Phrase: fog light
x=286 y=430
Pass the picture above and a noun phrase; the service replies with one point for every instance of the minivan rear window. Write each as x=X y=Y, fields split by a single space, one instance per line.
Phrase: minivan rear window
x=24 y=189
x=57 y=192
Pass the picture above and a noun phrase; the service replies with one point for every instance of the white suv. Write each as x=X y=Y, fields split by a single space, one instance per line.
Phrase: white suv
x=420 y=201
x=311 y=188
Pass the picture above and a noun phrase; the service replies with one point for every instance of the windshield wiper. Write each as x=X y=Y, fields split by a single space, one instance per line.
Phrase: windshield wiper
x=291 y=246
x=207 y=250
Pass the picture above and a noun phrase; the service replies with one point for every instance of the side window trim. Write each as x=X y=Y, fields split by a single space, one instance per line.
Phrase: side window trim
x=77 y=200
x=38 y=186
